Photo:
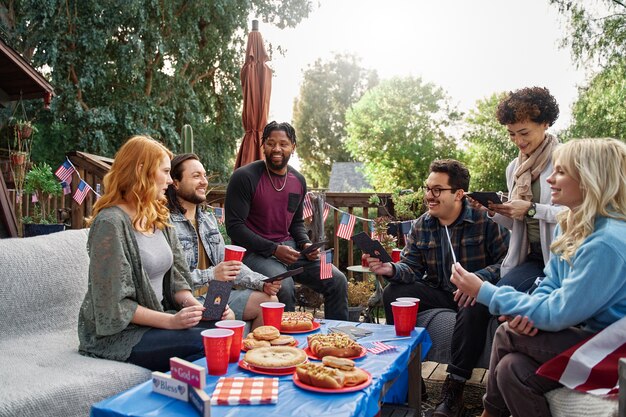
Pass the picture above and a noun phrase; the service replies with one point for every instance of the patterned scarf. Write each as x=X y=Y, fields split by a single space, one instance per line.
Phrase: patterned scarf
x=530 y=167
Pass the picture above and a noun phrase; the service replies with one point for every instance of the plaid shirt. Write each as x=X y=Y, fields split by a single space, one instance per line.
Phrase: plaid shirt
x=479 y=245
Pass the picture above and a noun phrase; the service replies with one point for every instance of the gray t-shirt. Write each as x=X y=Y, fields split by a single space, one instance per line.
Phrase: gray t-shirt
x=156 y=258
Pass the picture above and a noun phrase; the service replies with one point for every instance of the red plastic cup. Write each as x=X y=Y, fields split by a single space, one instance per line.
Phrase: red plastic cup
x=395 y=255
x=364 y=261
x=236 y=326
x=234 y=253
x=402 y=317
x=272 y=313
x=217 y=349
x=414 y=300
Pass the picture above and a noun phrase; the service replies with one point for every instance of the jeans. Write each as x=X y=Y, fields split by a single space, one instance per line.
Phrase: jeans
x=470 y=329
x=334 y=290
x=513 y=388
x=523 y=276
x=157 y=346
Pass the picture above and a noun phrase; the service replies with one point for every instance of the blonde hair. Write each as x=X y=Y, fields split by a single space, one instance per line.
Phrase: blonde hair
x=599 y=165
x=131 y=180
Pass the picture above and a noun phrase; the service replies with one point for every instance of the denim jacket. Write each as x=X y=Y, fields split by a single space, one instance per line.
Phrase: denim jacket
x=213 y=245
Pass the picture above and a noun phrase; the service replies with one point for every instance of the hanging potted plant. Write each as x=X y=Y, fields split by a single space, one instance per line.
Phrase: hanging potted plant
x=41 y=182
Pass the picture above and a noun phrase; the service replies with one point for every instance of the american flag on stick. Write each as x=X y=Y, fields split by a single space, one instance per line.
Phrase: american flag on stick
x=378 y=347
x=326 y=264
x=65 y=171
x=219 y=214
x=81 y=192
x=66 y=187
x=307 y=207
x=326 y=211
x=346 y=226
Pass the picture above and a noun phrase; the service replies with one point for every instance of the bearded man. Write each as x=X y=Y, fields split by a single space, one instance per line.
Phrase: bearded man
x=263 y=211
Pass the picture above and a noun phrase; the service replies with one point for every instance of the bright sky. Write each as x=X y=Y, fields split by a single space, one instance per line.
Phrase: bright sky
x=471 y=48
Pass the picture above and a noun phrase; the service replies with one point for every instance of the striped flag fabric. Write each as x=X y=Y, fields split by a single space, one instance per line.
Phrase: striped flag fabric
x=405 y=228
x=326 y=264
x=326 y=211
x=307 y=207
x=590 y=366
x=372 y=231
x=378 y=347
x=65 y=171
x=81 y=192
x=346 y=226
x=219 y=214
x=66 y=187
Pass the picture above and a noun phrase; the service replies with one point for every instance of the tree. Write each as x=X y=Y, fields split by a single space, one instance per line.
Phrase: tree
x=490 y=150
x=397 y=129
x=142 y=67
x=327 y=91
x=595 y=30
x=600 y=110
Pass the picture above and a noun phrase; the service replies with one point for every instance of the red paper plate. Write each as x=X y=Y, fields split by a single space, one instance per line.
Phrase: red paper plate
x=267 y=371
x=243 y=349
x=316 y=326
x=359 y=387
x=312 y=355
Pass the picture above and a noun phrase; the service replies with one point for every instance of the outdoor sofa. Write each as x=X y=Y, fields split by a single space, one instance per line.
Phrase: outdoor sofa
x=44 y=280
x=563 y=402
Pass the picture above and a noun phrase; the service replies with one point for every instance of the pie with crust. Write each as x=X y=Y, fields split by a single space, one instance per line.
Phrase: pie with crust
x=275 y=357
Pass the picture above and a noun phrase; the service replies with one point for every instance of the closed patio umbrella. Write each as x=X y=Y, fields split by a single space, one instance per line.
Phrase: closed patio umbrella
x=256 y=82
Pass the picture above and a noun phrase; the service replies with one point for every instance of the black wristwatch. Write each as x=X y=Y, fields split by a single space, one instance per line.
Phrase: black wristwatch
x=532 y=210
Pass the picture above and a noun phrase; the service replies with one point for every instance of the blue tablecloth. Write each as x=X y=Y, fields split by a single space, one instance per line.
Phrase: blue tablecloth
x=140 y=401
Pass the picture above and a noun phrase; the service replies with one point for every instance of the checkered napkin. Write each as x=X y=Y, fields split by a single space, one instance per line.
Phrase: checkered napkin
x=378 y=347
x=245 y=391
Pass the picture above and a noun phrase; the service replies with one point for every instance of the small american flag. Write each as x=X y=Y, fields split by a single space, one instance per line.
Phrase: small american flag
x=307 y=209
x=326 y=211
x=219 y=214
x=378 y=347
x=372 y=231
x=346 y=226
x=81 y=192
x=405 y=227
x=65 y=171
x=66 y=187
x=326 y=265
x=34 y=198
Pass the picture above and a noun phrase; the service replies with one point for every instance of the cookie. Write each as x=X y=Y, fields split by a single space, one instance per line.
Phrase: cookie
x=266 y=333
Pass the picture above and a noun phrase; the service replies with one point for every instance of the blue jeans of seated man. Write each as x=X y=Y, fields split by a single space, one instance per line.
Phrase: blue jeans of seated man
x=157 y=346
x=334 y=290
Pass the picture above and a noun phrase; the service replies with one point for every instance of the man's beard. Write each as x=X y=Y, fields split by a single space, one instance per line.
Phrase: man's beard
x=275 y=167
x=191 y=197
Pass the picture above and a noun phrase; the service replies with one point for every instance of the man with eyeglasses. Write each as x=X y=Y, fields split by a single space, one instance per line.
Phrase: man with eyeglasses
x=424 y=270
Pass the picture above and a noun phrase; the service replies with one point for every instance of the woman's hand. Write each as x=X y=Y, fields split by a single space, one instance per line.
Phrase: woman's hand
x=271 y=288
x=514 y=209
x=379 y=268
x=520 y=325
x=187 y=317
x=227 y=270
x=286 y=254
x=467 y=282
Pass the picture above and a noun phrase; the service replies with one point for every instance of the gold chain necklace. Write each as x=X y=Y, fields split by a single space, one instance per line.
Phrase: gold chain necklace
x=278 y=190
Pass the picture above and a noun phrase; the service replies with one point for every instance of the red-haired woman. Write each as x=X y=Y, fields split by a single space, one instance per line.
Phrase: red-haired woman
x=139 y=307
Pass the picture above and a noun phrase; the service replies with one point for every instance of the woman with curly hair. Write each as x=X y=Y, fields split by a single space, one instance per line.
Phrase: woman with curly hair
x=584 y=290
x=529 y=215
x=139 y=307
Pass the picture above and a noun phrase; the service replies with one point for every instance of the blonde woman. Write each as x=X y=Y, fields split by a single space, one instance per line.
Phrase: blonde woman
x=139 y=307
x=584 y=290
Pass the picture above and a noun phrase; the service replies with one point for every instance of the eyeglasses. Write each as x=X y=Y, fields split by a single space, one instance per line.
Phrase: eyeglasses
x=436 y=192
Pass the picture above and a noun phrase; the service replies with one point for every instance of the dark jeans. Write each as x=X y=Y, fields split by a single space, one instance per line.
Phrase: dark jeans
x=470 y=329
x=523 y=276
x=513 y=388
x=334 y=290
x=157 y=346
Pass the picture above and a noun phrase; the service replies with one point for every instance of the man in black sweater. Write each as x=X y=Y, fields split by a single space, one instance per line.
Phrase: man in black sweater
x=263 y=212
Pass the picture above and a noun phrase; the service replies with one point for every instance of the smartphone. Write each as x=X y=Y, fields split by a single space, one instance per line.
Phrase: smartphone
x=484 y=197
x=312 y=247
x=284 y=275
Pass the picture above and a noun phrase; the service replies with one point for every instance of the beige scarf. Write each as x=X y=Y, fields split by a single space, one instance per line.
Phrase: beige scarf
x=530 y=167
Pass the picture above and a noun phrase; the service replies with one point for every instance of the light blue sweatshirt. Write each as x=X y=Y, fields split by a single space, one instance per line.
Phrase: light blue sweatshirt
x=591 y=291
